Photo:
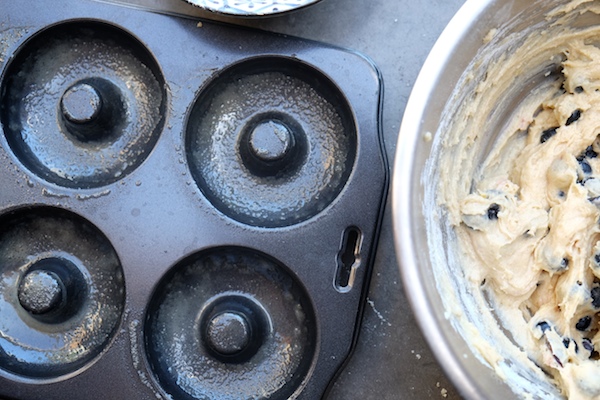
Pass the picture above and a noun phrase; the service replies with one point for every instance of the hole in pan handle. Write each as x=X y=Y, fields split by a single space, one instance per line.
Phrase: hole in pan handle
x=348 y=259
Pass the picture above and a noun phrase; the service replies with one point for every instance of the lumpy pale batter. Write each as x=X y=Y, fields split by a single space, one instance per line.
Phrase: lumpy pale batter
x=528 y=223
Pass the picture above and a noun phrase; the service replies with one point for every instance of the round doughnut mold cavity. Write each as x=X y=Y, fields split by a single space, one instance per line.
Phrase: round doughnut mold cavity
x=82 y=104
x=61 y=292
x=271 y=142
x=230 y=323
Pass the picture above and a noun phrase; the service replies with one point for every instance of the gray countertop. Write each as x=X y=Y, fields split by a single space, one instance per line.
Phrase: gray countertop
x=392 y=359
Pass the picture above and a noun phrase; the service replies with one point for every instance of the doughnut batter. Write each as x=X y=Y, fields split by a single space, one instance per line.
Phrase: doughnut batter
x=528 y=223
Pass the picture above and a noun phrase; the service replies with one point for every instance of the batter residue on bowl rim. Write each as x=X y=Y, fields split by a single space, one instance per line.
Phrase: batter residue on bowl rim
x=525 y=218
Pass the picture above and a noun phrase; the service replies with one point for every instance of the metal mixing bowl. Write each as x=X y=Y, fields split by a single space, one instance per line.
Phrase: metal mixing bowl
x=432 y=276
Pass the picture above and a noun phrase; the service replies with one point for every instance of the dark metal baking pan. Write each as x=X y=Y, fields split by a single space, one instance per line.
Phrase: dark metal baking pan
x=187 y=210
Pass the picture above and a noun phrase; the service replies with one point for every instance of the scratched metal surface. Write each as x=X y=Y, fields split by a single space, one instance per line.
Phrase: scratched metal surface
x=391 y=359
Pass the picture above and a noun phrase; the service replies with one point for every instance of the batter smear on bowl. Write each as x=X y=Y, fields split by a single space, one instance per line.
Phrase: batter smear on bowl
x=533 y=220
x=518 y=234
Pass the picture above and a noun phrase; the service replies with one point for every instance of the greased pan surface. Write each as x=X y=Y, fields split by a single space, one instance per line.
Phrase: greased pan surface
x=182 y=206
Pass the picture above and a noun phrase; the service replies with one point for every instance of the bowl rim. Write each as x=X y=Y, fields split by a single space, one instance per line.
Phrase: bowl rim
x=411 y=131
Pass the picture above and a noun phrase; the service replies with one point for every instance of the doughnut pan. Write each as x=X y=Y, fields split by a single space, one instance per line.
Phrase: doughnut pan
x=189 y=210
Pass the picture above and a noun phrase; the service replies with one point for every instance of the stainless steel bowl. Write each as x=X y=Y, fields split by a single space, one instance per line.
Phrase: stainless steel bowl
x=432 y=276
